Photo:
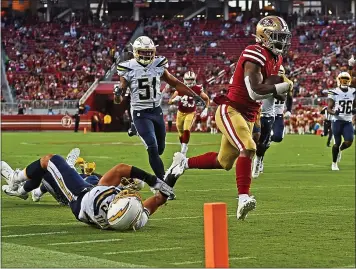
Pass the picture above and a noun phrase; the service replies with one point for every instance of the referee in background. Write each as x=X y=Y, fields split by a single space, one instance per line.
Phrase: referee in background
x=327 y=125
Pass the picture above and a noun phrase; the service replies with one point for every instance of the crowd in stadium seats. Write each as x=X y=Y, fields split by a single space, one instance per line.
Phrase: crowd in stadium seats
x=60 y=61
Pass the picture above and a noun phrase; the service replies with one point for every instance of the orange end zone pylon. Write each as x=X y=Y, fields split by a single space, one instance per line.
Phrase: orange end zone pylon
x=215 y=234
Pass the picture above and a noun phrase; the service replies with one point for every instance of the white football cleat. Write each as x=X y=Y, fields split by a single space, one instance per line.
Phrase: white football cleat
x=36 y=194
x=261 y=168
x=72 y=157
x=7 y=190
x=11 y=176
x=339 y=157
x=334 y=167
x=177 y=168
x=256 y=167
x=6 y=171
x=245 y=206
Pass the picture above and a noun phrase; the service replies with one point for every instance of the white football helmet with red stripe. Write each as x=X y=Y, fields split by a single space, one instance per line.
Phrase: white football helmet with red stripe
x=190 y=79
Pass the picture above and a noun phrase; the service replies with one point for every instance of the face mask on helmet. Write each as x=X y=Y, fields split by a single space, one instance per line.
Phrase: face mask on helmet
x=89 y=168
x=144 y=56
x=344 y=82
x=190 y=82
x=279 y=42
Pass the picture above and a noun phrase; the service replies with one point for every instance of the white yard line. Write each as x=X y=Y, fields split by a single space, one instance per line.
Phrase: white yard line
x=55 y=258
x=197 y=217
x=194 y=262
x=42 y=224
x=84 y=242
x=33 y=234
x=141 y=250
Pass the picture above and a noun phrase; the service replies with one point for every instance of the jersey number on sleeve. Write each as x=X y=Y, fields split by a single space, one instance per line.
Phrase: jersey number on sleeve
x=346 y=106
x=143 y=84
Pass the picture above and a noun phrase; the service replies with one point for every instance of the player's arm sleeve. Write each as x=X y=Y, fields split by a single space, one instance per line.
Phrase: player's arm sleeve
x=123 y=70
x=332 y=95
x=162 y=64
x=251 y=54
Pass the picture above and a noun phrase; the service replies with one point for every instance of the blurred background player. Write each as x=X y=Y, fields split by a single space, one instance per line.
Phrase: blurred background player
x=341 y=105
x=143 y=75
x=271 y=125
x=279 y=106
x=327 y=125
x=237 y=111
x=187 y=109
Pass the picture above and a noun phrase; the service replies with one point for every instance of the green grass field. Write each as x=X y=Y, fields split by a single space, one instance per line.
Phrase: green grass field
x=305 y=215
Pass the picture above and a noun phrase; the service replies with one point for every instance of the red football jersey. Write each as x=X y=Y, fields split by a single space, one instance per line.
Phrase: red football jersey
x=237 y=91
x=186 y=103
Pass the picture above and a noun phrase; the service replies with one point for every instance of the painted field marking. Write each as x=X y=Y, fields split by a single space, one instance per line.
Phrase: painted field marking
x=84 y=242
x=269 y=187
x=194 y=262
x=67 y=260
x=141 y=250
x=33 y=234
x=196 y=217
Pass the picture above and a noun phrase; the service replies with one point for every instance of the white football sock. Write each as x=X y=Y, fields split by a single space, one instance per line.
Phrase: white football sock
x=22 y=175
x=38 y=192
x=186 y=164
x=184 y=148
x=243 y=197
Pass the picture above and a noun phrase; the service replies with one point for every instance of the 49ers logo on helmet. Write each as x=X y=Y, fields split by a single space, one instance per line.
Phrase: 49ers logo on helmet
x=267 y=23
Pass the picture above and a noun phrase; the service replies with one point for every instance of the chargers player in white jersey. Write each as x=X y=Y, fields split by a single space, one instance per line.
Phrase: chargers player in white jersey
x=267 y=120
x=89 y=204
x=143 y=75
x=279 y=106
x=342 y=105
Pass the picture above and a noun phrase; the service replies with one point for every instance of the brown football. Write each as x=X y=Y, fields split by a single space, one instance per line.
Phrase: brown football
x=274 y=79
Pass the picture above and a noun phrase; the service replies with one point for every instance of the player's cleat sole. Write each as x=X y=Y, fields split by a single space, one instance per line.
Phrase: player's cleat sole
x=72 y=157
x=6 y=171
x=7 y=190
x=245 y=207
x=177 y=167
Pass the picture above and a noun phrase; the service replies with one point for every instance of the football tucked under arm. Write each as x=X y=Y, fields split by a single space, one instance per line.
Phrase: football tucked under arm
x=258 y=90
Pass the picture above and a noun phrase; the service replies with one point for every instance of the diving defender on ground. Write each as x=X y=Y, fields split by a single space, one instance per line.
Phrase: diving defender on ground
x=342 y=105
x=237 y=111
x=187 y=109
x=100 y=205
x=143 y=76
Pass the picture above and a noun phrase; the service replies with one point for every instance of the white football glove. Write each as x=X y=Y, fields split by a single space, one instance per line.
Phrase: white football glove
x=176 y=99
x=204 y=113
x=352 y=61
x=287 y=114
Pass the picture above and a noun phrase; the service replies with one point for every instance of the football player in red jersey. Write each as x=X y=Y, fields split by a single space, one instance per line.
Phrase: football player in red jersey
x=187 y=109
x=237 y=111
